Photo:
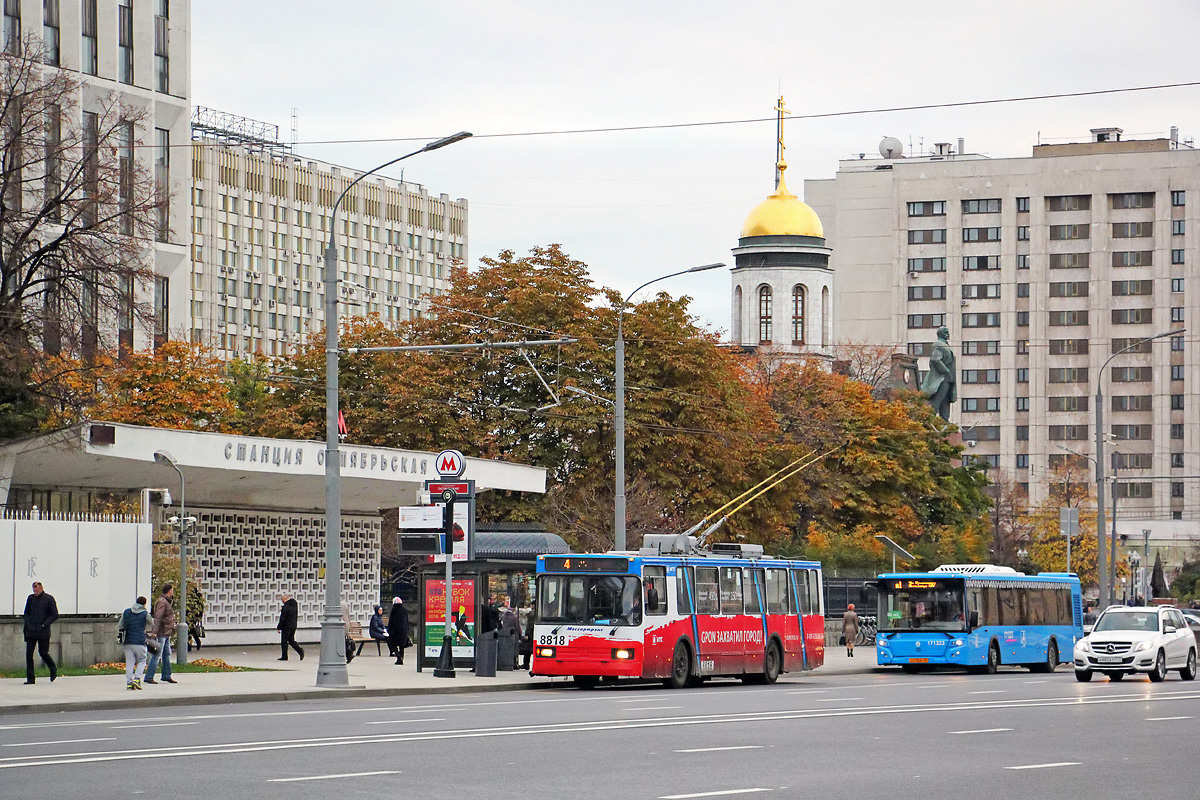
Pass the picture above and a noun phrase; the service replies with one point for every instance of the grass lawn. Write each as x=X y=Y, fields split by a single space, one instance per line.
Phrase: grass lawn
x=118 y=668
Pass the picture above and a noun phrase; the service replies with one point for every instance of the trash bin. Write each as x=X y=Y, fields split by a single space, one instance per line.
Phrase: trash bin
x=485 y=655
x=506 y=651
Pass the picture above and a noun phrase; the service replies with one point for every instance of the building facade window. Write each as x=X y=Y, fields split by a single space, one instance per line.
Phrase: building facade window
x=1132 y=288
x=927 y=293
x=1132 y=230
x=1177 y=490
x=1131 y=200
x=798 y=294
x=1022 y=233
x=927 y=236
x=927 y=265
x=1133 y=432
x=91 y=45
x=1070 y=260
x=1067 y=403
x=976 y=263
x=1068 y=318
x=926 y=320
x=1132 y=374
x=1022 y=205
x=1178 y=198
x=927 y=208
x=1069 y=202
x=1178 y=227
x=981 y=404
x=1132 y=402
x=1022 y=347
x=981 y=234
x=1177 y=314
x=981 y=376
x=1022 y=319
x=1177 y=402
x=1176 y=285
x=1176 y=430
x=991 y=206
x=125 y=40
x=12 y=26
x=1177 y=256
x=1177 y=344
x=162 y=320
x=1068 y=375
x=1133 y=258
x=162 y=46
x=826 y=318
x=764 y=315
x=1022 y=261
x=1135 y=490
x=1022 y=374
x=1022 y=404
x=1022 y=290
x=1068 y=347
x=1177 y=372
x=989 y=347
x=1132 y=316
x=1068 y=433
x=1069 y=289
x=51 y=33
x=1062 y=233
x=980 y=291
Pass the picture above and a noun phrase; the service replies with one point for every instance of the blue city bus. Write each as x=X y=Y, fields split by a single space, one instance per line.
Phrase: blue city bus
x=978 y=616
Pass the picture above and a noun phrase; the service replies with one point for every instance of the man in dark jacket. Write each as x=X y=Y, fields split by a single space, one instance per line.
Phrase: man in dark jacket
x=40 y=613
x=162 y=628
x=288 y=618
x=398 y=629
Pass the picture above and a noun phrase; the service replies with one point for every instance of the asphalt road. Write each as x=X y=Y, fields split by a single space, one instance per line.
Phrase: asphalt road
x=882 y=734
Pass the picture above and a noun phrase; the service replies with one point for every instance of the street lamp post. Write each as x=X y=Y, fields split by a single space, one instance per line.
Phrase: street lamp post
x=181 y=639
x=331 y=670
x=1101 y=567
x=619 y=411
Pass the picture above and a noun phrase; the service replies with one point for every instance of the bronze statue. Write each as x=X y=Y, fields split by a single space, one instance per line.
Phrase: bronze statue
x=941 y=382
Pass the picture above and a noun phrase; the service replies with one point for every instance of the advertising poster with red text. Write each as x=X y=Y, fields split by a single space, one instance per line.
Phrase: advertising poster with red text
x=462 y=605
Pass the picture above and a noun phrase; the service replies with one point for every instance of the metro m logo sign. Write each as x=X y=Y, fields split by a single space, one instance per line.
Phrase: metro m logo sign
x=450 y=464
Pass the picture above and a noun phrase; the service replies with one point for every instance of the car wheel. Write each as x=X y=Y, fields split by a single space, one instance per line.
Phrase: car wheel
x=1083 y=675
x=681 y=667
x=1116 y=677
x=993 y=661
x=1159 y=673
x=1188 y=673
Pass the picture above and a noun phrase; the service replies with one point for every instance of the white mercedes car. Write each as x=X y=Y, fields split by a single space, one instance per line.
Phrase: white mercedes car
x=1128 y=639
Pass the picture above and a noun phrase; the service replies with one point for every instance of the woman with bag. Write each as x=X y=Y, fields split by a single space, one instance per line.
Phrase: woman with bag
x=849 y=629
x=131 y=632
x=397 y=629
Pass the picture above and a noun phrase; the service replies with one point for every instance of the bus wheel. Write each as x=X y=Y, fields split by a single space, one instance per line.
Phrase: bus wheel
x=1051 y=662
x=993 y=661
x=774 y=664
x=585 y=681
x=681 y=667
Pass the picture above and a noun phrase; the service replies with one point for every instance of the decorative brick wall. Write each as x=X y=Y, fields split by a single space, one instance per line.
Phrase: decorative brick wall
x=74 y=642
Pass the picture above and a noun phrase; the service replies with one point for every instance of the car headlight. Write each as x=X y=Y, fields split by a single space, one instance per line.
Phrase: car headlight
x=1143 y=646
x=1084 y=646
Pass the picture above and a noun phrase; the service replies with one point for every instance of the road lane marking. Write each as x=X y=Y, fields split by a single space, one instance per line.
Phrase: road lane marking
x=331 y=777
x=639 y=700
x=810 y=691
x=991 y=691
x=981 y=730
x=836 y=699
x=1148 y=719
x=155 y=725
x=1047 y=766
x=652 y=708
x=558 y=729
x=720 y=749
x=723 y=793
x=62 y=741
x=397 y=721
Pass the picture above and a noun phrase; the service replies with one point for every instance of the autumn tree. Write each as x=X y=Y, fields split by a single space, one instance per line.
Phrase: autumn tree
x=1068 y=487
x=77 y=209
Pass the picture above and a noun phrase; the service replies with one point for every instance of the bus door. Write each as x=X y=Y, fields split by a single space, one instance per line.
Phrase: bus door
x=755 y=623
x=782 y=618
x=658 y=645
x=715 y=627
x=812 y=622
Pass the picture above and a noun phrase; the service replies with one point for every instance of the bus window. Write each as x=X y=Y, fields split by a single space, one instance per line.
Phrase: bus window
x=777 y=592
x=683 y=594
x=801 y=576
x=752 y=579
x=731 y=590
x=655 y=579
x=814 y=591
x=1008 y=608
x=708 y=597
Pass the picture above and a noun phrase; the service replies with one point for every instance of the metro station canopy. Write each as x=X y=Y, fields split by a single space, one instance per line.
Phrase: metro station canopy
x=229 y=469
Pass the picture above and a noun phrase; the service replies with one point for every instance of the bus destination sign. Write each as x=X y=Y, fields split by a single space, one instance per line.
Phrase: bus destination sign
x=915 y=584
x=586 y=564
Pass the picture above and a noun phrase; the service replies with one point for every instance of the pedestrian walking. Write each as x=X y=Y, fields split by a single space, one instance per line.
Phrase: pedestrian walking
x=162 y=628
x=398 y=629
x=525 y=618
x=40 y=613
x=132 y=633
x=850 y=629
x=289 y=615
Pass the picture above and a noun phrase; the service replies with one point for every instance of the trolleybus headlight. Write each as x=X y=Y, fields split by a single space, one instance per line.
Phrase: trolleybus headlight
x=545 y=652
x=622 y=654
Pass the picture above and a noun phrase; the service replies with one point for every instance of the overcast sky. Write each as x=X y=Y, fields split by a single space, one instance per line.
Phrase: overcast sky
x=640 y=203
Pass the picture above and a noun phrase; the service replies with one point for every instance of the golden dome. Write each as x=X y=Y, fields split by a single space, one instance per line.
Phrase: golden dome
x=782 y=214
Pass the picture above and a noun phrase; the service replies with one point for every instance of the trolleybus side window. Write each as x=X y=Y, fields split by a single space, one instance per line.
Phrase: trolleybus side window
x=776 y=587
x=752 y=579
x=731 y=590
x=655 y=579
x=708 y=597
x=684 y=579
x=801 y=576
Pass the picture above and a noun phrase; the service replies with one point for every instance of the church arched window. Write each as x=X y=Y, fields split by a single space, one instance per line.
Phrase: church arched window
x=738 y=334
x=764 y=315
x=798 y=297
x=826 y=319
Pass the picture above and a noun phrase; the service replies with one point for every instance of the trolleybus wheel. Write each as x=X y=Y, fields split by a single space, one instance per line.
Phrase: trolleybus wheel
x=585 y=681
x=681 y=667
x=774 y=664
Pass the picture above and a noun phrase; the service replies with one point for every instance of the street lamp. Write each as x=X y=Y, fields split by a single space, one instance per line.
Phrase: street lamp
x=181 y=640
x=1101 y=568
x=331 y=670
x=619 y=413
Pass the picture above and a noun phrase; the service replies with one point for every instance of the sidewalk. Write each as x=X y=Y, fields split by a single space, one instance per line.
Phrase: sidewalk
x=370 y=676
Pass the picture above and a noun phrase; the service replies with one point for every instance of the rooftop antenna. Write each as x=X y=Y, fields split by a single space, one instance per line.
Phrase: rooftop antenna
x=295 y=127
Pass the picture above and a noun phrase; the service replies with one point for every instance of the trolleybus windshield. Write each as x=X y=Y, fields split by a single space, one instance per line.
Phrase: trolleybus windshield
x=907 y=604
x=589 y=600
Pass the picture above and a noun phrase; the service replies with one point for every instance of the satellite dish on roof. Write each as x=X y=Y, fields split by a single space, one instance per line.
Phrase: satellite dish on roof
x=891 y=147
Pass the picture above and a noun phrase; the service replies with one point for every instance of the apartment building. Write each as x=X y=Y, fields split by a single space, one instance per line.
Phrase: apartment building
x=260 y=220
x=138 y=54
x=1042 y=267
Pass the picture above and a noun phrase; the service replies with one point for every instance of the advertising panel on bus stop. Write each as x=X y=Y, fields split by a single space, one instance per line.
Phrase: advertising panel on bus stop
x=463 y=607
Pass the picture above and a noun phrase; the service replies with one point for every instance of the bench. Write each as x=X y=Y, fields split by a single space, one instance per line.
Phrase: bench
x=356 y=635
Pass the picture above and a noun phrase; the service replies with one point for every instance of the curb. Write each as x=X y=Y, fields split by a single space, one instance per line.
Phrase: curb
x=262 y=697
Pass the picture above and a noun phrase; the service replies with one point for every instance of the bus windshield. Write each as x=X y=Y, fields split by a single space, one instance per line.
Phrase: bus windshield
x=590 y=600
x=921 y=604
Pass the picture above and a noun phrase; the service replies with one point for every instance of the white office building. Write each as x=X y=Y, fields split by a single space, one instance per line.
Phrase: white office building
x=260 y=218
x=1042 y=267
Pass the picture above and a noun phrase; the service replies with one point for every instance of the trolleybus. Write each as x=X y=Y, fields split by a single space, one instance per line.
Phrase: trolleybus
x=677 y=613
x=978 y=616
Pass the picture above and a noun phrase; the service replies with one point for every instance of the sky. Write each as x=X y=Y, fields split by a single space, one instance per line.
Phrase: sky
x=637 y=204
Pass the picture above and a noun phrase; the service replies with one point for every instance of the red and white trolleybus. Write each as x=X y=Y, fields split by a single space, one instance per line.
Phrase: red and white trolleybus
x=673 y=612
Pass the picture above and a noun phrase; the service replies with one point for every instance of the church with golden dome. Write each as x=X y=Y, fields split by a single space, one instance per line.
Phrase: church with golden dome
x=782 y=283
